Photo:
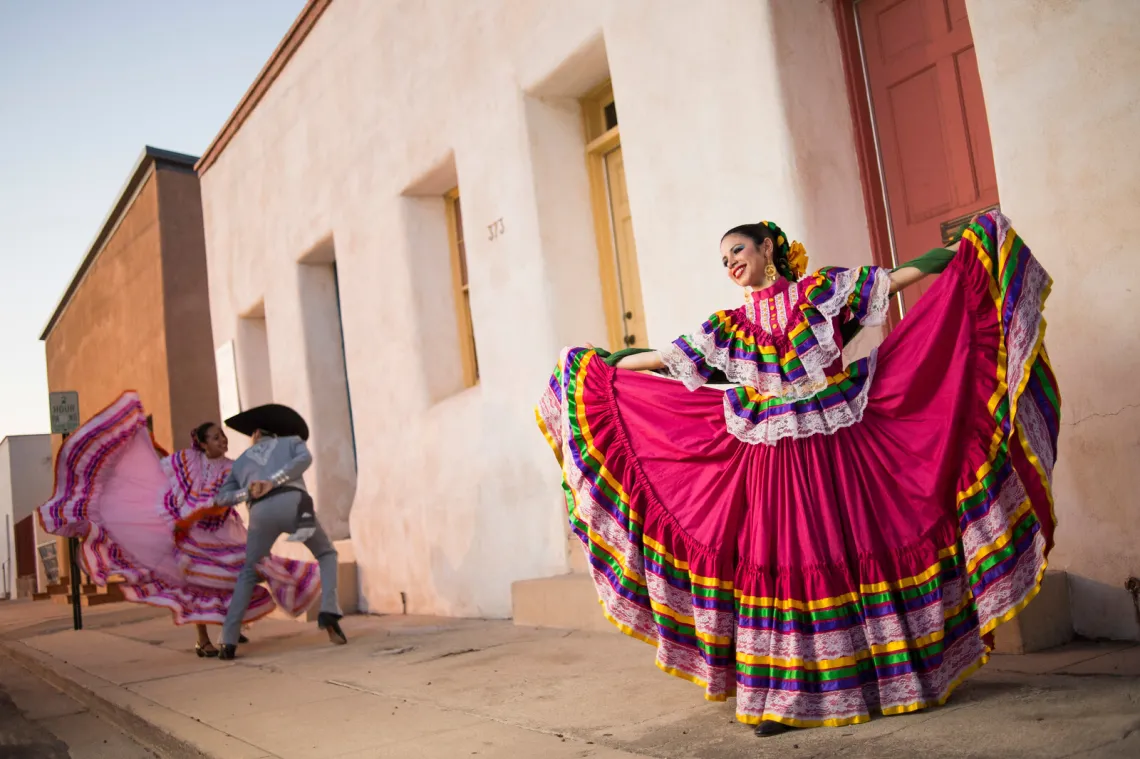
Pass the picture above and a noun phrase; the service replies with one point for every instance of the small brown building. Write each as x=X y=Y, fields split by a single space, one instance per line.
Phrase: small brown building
x=136 y=315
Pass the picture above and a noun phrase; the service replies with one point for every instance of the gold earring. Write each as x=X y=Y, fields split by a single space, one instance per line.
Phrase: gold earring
x=770 y=271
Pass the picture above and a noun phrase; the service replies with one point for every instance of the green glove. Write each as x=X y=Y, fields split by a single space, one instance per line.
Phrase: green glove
x=613 y=358
x=932 y=261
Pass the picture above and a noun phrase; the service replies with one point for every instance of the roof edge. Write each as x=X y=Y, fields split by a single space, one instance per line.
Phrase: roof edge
x=150 y=156
x=281 y=56
x=16 y=435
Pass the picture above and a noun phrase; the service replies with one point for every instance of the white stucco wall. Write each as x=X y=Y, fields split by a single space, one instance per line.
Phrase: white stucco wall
x=25 y=483
x=382 y=109
x=1062 y=88
x=7 y=524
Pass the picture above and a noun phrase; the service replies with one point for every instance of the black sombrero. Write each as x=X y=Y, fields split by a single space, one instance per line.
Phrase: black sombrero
x=273 y=418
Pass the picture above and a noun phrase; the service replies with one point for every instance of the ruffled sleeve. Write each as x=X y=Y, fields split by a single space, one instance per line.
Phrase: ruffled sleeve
x=688 y=357
x=864 y=293
x=793 y=361
x=194 y=485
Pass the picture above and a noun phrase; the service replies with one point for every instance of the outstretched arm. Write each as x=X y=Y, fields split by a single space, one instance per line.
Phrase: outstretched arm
x=642 y=362
x=905 y=276
x=932 y=262
x=638 y=360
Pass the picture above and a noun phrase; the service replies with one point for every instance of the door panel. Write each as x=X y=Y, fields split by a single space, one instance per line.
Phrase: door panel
x=926 y=174
x=25 y=548
x=930 y=117
x=625 y=252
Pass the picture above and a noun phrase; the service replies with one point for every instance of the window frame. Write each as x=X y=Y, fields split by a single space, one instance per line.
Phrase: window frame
x=599 y=142
x=457 y=242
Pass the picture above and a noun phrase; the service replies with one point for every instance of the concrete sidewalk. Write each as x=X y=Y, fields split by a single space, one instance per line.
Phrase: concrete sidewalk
x=436 y=688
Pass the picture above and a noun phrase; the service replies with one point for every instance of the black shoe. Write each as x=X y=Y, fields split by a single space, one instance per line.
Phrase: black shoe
x=206 y=651
x=243 y=640
x=768 y=728
x=330 y=623
x=228 y=652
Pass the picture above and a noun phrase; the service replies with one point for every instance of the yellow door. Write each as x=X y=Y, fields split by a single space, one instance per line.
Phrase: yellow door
x=621 y=225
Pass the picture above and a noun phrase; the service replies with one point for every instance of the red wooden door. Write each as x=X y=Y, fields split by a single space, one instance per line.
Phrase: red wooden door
x=25 y=547
x=930 y=116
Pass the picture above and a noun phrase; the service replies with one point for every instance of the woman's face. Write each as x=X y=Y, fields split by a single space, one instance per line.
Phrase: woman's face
x=744 y=260
x=215 y=442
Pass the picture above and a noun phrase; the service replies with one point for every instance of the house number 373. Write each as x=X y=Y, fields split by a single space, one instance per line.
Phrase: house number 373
x=495 y=230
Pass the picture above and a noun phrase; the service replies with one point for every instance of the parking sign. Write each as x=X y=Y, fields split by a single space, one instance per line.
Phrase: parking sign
x=64 y=412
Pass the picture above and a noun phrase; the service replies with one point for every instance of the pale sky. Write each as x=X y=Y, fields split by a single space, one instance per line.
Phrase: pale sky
x=84 y=85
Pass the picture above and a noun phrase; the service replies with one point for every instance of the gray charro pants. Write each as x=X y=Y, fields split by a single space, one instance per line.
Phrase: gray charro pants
x=268 y=519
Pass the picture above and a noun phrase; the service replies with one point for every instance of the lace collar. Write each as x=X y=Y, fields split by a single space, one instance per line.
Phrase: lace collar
x=772 y=307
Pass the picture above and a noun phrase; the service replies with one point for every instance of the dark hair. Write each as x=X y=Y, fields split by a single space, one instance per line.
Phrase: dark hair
x=198 y=435
x=767 y=230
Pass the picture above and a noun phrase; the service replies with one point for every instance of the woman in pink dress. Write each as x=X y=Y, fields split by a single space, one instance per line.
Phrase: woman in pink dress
x=821 y=541
x=151 y=523
x=203 y=469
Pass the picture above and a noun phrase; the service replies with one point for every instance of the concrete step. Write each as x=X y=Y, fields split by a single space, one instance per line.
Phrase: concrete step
x=567 y=601
x=62 y=589
x=347 y=581
x=106 y=594
x=570 y=602
x=112 y=591
x=1046 y=622
x=575 y=555
x=88 y=599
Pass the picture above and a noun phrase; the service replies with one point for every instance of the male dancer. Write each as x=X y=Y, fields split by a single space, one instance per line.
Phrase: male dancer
x=269 y=477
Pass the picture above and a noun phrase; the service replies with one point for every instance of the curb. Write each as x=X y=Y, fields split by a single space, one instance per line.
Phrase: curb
x=156 y=727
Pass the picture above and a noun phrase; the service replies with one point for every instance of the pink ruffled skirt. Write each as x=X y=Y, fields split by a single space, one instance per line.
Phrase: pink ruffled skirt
x=821 y=579
x=111 y=491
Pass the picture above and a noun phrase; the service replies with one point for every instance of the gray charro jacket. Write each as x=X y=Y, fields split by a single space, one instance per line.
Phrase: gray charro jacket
x=280 y=460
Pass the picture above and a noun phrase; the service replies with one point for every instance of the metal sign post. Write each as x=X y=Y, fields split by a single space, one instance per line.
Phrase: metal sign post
x=73 y=554
x=76 y=606
x=64 y=409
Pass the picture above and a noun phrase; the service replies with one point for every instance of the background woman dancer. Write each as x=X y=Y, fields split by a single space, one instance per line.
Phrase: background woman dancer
x=152 y=522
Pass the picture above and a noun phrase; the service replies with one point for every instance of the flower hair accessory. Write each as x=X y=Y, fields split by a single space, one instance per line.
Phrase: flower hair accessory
x=790 y=260
x=798 y=259
x=195 y=443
